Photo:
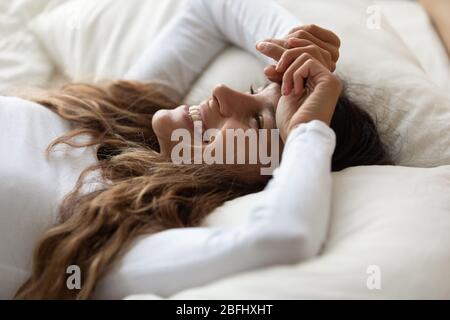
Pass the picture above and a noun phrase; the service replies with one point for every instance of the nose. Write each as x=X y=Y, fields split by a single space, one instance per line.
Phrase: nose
x=230 y=101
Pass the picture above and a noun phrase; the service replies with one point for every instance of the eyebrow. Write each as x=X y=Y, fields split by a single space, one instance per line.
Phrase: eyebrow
x=264 y=87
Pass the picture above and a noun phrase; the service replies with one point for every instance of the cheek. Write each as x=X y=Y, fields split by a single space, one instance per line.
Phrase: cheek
x=234 y=124
x=273 y=96
x=240 y=141
x=276 y=99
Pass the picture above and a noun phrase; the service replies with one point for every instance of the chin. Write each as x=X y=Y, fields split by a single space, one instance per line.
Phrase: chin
x=162 y=123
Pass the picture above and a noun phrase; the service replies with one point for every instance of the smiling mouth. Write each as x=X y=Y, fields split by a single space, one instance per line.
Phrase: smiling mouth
x=194 y=113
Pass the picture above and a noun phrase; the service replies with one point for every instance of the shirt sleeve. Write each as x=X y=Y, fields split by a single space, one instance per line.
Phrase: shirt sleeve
x=200 y=31
x=289 y=226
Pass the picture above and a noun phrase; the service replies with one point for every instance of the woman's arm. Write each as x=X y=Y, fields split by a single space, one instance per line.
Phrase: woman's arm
x=200 y=31
x=246 y=22
x=181 y=51
x=289 y=226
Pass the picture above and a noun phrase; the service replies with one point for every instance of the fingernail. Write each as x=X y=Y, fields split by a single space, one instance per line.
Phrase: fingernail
x=278 y=68
x=261 y=46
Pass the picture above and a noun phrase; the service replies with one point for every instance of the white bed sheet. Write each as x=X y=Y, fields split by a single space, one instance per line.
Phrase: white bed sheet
x=25 y=60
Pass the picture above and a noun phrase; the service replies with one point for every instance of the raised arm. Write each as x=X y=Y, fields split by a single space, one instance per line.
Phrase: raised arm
x=288 y=227
x=200 y=31
x=246 y=22
x=181 y=51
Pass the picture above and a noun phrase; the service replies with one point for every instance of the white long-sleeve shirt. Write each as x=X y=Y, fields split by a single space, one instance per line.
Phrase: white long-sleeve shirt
x=289 y=226
x=182 y=51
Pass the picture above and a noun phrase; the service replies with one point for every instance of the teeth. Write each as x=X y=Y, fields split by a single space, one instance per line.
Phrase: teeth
x=194 y=112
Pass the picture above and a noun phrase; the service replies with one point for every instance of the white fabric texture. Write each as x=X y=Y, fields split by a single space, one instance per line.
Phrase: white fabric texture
x=221 y=250
x=31 y=186
x=182 y=51
x=383 y=75
x=396 y=218
x=415 y=28
x=17 y=65
x=393 y=220
x=281 y=229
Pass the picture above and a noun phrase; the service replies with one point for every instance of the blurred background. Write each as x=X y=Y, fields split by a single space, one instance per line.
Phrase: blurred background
x=48 y=42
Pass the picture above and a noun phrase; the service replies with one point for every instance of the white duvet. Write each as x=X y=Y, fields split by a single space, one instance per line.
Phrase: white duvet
x=389 y=236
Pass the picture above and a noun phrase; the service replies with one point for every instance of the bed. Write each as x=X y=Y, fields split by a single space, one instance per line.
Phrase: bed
x=389 y=235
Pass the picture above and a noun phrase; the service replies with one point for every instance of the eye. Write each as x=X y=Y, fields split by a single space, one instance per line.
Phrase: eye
x=260 y=121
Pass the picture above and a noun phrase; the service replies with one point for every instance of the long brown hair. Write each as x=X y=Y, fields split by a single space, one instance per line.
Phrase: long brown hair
x=142 y=192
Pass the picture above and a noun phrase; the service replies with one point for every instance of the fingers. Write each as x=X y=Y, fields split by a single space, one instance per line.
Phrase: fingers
x=302 y=34
x=326 y=55
x=291 y=61
x=291 y=55
x=272 y=74
x=313 y=71
x=270 y=49
x=305 y=68
x=325 y=39
x=319 y=44
x=281 y=42
x=289 y=82
x=320 y=33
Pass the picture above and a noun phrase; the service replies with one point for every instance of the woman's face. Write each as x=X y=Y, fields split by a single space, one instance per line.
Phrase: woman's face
x=226 y=109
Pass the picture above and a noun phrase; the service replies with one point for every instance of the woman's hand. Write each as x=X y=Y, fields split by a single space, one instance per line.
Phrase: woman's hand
x=320 y=43
x=316 y=101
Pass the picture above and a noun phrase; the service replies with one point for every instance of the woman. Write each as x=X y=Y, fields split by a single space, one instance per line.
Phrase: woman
x=138 y=233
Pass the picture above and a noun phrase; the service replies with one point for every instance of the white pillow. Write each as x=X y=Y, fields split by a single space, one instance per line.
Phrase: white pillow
x=96 y=39
x=379 y=213
x=386 y=78
x=89 y=40
x=417 y=31
x=23 y=62
x=391 y=220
